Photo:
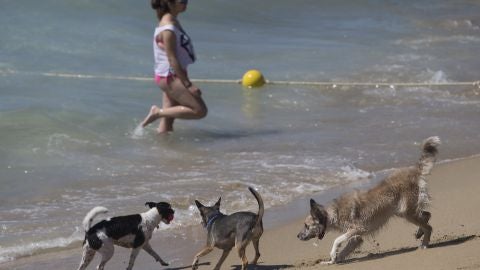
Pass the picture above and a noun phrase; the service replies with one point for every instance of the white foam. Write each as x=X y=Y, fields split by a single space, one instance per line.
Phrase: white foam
x=433 y=40
x=461 y=24
x=351 y=173
x=138 y=133
x=305 y=188
x=439 y=77
x=20 y=250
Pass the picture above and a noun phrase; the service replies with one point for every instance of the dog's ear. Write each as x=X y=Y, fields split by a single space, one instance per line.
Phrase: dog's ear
x=217 y=204
x=319 y=213
x=313 y=203
x=164 y=205
x=199 y=204
x=316 y=210
x=150 y=204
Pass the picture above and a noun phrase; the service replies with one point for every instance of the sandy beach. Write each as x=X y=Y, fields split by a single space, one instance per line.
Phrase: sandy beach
x=454 y=187
x=352 y=89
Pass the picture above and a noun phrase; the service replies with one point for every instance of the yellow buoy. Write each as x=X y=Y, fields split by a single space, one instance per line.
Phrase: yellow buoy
x=253 y=78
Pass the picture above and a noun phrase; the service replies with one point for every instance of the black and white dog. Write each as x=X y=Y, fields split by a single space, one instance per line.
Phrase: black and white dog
x=132 y=231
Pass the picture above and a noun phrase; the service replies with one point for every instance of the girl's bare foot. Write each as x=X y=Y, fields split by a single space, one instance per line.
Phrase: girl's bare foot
x=153 y=115
x=164 y=132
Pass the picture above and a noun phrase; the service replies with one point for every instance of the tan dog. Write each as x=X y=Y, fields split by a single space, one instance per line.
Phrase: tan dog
x=403 y=193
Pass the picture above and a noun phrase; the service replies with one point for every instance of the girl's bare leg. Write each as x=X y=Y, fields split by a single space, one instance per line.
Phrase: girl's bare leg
x=191 y=106
x=166 y=123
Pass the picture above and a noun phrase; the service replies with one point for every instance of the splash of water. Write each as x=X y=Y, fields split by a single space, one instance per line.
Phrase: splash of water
x=138 y=133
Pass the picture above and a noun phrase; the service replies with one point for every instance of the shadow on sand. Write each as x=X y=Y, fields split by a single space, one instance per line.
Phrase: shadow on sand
x=238 y=267
x=372 y=256
x=375 y=256
x=263 y=267
x=186 y=267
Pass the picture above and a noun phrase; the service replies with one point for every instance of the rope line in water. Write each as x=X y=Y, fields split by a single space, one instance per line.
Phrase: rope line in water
x=377 y=84
x=332 y=84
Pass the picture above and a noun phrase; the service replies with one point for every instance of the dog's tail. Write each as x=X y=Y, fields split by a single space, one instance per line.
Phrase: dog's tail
x=87 y=221
x=261 y=208
x=429 y=155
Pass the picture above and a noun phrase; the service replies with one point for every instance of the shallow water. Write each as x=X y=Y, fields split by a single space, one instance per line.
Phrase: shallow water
x=69 y=144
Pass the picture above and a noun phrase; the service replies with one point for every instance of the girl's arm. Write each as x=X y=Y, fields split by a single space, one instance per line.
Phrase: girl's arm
x=170 y=45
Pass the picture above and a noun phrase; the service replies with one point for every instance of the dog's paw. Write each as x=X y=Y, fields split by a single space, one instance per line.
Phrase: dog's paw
x=333 y=258
x=327 y=262
x=164 y=263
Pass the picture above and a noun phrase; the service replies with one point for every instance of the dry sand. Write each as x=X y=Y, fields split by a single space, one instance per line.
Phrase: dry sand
x=455 y=190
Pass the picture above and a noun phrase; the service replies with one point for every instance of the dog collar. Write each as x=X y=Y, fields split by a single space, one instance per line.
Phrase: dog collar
x=211 y=220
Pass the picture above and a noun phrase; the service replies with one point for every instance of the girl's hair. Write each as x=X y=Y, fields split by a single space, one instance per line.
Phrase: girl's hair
x=161 y=7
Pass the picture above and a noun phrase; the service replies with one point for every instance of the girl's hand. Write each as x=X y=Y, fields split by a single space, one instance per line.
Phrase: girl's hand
x=195 y=90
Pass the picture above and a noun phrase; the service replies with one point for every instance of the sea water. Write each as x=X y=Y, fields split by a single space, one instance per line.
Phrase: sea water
x=69 y=143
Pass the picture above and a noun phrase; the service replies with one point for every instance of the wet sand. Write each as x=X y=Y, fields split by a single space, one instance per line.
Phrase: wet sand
x=454 y=187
